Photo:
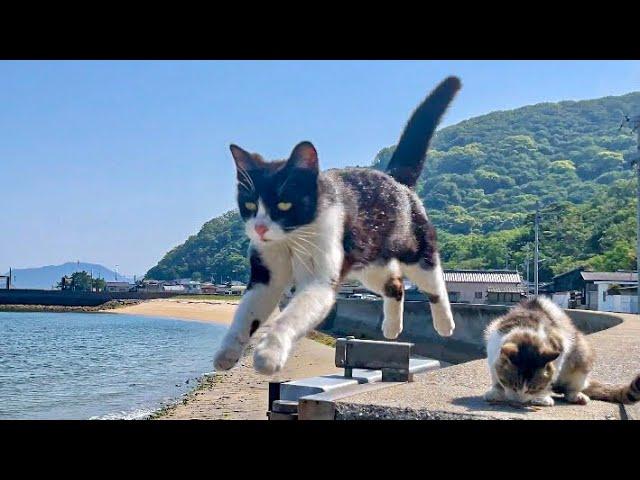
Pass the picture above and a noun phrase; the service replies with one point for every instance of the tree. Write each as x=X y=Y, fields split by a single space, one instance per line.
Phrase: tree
x=99 y=285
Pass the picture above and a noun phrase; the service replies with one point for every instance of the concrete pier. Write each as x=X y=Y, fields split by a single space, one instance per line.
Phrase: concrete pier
x=455 y=392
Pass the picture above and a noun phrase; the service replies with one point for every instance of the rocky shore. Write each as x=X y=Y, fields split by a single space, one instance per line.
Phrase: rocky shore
x=110 y=305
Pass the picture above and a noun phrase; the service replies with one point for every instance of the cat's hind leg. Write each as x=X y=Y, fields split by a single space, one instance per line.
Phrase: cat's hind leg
x=430 y=279
x=387 y=281
x=574 y=382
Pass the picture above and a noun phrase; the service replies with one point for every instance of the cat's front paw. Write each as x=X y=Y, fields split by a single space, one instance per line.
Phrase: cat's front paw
x=391 y=329
x=270 y=355
x=225 y=360
x=543 y=401
x=227 y=356
x=494 y=395
x=578 y=398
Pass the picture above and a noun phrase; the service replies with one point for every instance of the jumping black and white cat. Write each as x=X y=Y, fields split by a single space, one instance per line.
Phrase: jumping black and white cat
x=312 y=230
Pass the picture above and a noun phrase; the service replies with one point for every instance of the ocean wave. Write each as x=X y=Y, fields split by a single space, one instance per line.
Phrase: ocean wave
x=137 y=414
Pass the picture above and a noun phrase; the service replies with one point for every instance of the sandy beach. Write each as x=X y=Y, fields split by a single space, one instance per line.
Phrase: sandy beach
x=241 y=393
x=214 y=311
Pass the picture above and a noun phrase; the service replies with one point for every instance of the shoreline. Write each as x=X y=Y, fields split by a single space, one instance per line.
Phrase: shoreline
x=240 y=393
x=108 y=307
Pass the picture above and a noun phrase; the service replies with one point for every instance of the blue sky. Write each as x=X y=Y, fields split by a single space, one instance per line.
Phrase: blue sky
x=118 y=162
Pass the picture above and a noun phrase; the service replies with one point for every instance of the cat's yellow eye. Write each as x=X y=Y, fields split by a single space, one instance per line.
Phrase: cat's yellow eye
x=284 y=206
x=250 y=206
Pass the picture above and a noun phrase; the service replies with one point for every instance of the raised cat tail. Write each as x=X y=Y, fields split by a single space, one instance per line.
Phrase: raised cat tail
x=614 y=393
x=408 y=158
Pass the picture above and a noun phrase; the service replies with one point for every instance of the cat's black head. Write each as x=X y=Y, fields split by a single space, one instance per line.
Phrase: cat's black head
x=276 y=198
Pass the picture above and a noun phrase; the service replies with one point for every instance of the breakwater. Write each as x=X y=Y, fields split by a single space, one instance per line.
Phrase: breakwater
x=72 y=299
x=363 y=319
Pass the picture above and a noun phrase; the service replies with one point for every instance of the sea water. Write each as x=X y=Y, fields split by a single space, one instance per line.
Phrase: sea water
x=98 y=366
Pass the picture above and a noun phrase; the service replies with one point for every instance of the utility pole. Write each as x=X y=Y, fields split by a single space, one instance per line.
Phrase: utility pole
x=536 y=253
x=634 y=159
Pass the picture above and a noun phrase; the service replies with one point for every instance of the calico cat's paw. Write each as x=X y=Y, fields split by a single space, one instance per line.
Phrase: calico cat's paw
x=270 y=355
x=578 y=398
x=543 y=401
x=494 y=395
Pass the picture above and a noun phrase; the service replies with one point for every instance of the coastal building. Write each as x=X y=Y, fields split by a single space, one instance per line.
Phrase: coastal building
x=66 y=283
x=118 y=287
x=496 y=287
x=174 y=288
x=579 y=288
x=191 y=286
x=232 y=288
x=208 y=288
x=151 y=286
x=503 y=287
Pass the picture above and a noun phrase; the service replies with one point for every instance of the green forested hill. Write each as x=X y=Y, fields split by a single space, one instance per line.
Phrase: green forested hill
x=218 y=250
x=480 y=186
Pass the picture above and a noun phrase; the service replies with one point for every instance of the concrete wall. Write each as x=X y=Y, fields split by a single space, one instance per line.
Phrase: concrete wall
x=363 y=319
x=71 y=299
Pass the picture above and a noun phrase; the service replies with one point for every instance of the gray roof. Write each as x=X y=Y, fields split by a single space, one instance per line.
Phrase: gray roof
x=506 y=289
x=609 y=276
x=482 y=276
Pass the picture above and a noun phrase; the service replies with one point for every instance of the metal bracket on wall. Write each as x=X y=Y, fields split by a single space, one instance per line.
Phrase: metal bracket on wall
x=390 y=357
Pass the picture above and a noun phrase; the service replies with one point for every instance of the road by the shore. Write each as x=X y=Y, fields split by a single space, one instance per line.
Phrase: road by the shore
x=241 y=393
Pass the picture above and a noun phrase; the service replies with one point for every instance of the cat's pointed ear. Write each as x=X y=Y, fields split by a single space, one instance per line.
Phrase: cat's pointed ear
x=509 y=350
x=549 y=355
x=244 y=160
x=304 y=155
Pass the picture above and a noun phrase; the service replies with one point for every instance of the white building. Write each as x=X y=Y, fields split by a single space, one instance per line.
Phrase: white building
x=621 y=298
x=191 y=286
x=501 y=287
x=174 y=288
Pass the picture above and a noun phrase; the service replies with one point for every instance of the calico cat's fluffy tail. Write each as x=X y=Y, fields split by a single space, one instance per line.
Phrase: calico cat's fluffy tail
x=408 y=158
x=614 y=393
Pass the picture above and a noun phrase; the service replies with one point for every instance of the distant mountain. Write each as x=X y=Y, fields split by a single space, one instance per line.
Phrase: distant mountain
x=47 y=277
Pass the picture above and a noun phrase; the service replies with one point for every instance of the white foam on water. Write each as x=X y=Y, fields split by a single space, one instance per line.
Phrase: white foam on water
x=137 y=414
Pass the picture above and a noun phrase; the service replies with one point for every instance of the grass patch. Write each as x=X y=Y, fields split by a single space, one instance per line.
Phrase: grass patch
x=204 y=383
x=323 y=338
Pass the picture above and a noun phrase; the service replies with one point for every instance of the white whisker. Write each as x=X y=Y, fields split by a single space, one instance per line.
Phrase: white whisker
x=301 y=247
x=298 y=255
x=247 y=177
x=311 y=243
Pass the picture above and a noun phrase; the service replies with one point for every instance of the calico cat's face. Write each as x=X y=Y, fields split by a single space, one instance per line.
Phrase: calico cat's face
x=276 y=198
x=524 y=367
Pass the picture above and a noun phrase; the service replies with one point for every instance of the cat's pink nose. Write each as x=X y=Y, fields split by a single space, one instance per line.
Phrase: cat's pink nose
x=261 y=230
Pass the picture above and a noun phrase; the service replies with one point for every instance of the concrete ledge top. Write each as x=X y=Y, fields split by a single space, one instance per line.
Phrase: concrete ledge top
x=456 y=392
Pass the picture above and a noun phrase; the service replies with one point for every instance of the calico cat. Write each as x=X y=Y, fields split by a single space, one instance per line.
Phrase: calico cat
x=314 y=229
x=535 y=349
